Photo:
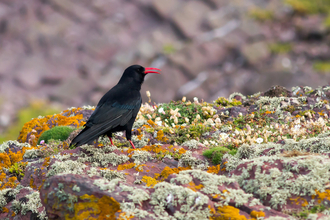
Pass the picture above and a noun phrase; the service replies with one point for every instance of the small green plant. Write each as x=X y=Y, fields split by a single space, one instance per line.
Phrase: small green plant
x=56 y=133
x=225 y=102
x=216 y=153
x=280 y=48
x=261 y=14
x=18 y=169
x=322 y=66
x=309 y=7
x=305 y=212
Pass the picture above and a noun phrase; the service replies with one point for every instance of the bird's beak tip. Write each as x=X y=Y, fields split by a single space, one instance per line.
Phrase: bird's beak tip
x=151 y=70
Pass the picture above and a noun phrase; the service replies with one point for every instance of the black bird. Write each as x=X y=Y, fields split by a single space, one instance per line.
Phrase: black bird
x=117 y=109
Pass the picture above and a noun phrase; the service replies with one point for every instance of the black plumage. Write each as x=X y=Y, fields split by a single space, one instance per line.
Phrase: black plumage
x=117 y=109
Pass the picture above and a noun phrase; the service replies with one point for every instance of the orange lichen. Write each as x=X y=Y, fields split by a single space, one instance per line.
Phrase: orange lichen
x=125 y=166
x=46 y=162
x=124 y=216
x=299 y=201
x=32 y=185
x=214 y=169
x=150 y=122
x=228 y=213
x=10 y=183
x=39 y=125
x=4 y=160
x=256 y=214
x=224 y=168
x=322 y=196
x=193 y=186
x=139 y=168
x=181 y=151
x=4 y=209
x=92 y=207
x=161 y=136
x=168 y=171
x=150 y=182
x=16 y=157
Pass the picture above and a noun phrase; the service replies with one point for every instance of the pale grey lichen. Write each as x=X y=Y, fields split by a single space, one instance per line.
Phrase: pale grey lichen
x=211 y=183
x=231 y=96
x=31 y=154
x=188 y=160
x=135 y=194
x=101 y=157
x=182 y=196
x=6 y=145
x=32 y=204
x=66 y=167
x=107 y=185
x=140 y=143
x=6 y=193
x=139 y=123
x=141 y=156
x=112 y=174
x=284 y=183
x=76 y=188
x=191 y=144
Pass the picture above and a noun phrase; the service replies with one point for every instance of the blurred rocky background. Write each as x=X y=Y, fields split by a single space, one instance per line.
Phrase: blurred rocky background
x=56 y=54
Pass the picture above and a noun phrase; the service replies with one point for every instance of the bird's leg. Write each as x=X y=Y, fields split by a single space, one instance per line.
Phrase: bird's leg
x=111 y=141
x=132 y=143
x=109 y=136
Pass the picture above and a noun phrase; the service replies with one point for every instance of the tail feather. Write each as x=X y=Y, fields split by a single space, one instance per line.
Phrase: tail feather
x=84 y=137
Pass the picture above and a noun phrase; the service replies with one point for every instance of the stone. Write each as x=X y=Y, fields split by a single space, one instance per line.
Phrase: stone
x=256 y=52
x=188 y=19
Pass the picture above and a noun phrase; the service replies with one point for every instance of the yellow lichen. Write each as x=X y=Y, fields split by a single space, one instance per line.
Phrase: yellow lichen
x=299 y=201
x=150 y=182
x=214 y=169
x=4 y=160
x=125 y=166
x=139 y=168
x=168 y=171
x=256 y=214
x=322 y=196
x=39 y=125
x=193 y=186
x=92 y=207
x=32 y=185
x=228 y=213
x=161 y=136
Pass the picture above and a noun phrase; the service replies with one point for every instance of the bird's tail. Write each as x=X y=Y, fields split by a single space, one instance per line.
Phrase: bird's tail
x=82 y=138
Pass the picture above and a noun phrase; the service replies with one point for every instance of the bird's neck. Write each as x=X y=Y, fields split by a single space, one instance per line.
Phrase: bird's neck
x=131 y=85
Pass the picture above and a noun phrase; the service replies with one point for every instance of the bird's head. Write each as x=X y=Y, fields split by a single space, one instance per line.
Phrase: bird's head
x=136 y=73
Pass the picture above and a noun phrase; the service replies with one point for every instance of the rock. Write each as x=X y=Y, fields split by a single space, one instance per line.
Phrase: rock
x=188 y=20
x=255 y=52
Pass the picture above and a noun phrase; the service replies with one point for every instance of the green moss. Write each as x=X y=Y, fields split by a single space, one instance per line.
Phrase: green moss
x=56 y=133
x=216 y=153
x=225 y=102
x=322 y=66
x=305 y=212
x=261 y=14
x=280 y=48
x=168 y=49
x=309 y=7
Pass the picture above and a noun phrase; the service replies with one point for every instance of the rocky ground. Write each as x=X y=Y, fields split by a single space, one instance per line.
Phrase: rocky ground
x=71 y=52
x=264 y=156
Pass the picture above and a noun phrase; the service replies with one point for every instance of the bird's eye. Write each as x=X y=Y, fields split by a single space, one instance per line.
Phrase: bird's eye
x=141 y=69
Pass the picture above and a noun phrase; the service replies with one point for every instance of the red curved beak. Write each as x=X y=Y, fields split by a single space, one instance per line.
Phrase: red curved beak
x=151 y=70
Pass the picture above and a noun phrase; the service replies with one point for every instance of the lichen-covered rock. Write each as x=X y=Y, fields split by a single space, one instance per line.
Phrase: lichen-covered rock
x=267 y=158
